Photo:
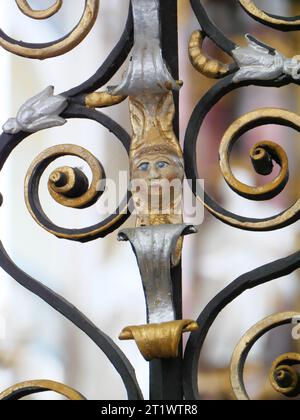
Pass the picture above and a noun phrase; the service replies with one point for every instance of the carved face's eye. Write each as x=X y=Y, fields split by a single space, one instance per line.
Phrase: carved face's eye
x=144 y=166
x=161 y=164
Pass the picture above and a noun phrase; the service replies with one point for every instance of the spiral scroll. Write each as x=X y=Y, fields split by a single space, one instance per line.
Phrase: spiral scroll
x=47 y=50
x=259 y=65
x=262 y=154
x=279 y=372
x=67 y=186
x=284 y=378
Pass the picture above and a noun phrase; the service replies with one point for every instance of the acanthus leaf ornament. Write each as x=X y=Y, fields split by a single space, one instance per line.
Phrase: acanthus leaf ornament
x=40 y=112
x=147 y=71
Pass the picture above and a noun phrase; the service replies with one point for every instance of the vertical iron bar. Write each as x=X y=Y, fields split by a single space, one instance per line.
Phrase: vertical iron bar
x=166 y=375
x=169 y=44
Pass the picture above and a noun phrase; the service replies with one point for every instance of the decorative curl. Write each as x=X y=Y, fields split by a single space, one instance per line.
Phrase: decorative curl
x=208 y=66
x=39 y=14
x=47 y=50
x=67 y=186
x=278 y=22
x=245 y=345
x=283 y=376
x=262 y=154
x=100 y=229
x=262 y=161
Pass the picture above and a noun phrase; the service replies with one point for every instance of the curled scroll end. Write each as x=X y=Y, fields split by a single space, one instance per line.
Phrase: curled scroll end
x=159 y=341
x=284 y=375
x=208 y=66
x=103 y=99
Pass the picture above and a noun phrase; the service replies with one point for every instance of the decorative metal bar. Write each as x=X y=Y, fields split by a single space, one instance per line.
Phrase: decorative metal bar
x=147 y=72
x=153 y=247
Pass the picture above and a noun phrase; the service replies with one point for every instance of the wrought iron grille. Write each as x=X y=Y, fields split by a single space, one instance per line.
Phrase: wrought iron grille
x=152 y=85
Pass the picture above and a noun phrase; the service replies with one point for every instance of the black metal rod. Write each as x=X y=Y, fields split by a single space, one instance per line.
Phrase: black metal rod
x=166 y=375
x=169 y=45
x=166 y=381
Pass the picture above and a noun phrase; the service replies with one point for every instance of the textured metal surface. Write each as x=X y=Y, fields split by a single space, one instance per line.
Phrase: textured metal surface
x=159 y=341
x=40 y=112
x=153 y=247
x=147 y=70
x=259 y=62
x=204 y=64
x=156 y=162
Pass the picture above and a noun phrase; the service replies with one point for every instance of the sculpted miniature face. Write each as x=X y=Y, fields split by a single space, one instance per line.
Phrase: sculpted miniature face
x=155 y=174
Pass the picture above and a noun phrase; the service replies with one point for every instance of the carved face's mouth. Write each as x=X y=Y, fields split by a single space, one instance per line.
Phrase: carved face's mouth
x=156 y=183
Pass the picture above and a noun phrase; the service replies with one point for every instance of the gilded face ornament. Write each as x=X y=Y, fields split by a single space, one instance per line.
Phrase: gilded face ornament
x=156 y=163
x=157 y=176
x=157 y=167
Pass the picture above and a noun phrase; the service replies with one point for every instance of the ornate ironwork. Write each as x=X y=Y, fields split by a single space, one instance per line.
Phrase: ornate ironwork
x=152 y=85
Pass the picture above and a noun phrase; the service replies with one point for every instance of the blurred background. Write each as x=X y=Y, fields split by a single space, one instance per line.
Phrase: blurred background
x=101 y=278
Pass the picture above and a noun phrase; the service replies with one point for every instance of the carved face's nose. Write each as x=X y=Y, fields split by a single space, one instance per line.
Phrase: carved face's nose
x=154 y=172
